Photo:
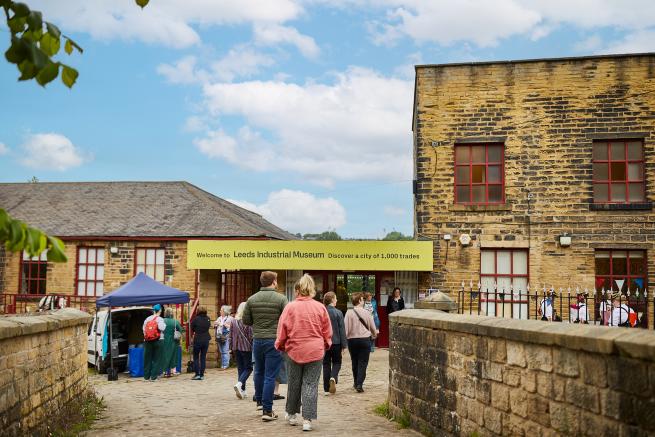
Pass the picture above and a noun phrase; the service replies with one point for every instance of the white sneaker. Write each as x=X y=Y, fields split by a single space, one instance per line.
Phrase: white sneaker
x=238 y=391
x=291 y=419
x=326 y=393
x=306 y=425
x=244 y=394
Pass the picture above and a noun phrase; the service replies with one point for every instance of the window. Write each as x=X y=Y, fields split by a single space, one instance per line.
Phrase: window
x=620 y=270
x=90 y=271
x=479 y=174
x=33 y=271
x=507 y=270
x=151 y=262
x=618 y=171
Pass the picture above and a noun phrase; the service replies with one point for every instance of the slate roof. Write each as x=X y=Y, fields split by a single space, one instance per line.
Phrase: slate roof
x=131 y=209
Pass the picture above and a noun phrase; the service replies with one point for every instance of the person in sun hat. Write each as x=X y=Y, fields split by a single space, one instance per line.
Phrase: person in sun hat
x=620 y=315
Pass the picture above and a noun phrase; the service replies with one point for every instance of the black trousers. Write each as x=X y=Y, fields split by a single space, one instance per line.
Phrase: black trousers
x=331 y=365
x=200 y=356
x=360 y=349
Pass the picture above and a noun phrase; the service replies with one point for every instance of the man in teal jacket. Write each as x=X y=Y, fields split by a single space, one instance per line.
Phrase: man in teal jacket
x=262 y=312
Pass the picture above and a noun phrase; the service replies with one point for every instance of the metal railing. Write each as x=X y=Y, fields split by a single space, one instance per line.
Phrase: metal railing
x=26 y=303
x=597 y=307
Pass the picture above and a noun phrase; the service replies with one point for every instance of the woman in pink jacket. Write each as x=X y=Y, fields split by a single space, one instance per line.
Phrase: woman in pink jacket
x=304 y=332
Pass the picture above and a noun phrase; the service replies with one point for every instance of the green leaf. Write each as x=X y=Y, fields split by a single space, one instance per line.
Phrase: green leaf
x=35 y=20
x=16 y=235
x=56 y=250
x=27 y=69
x=4 y=225
x=49 y=44
x=142 y=3
x=78 y=48
x=35 y=242
x=68 y=46
x=53 y=30
x=36 y=55
x=48 y=73
x=16 y=24
x=68 y=75
x=20 y=9
x=17 y=52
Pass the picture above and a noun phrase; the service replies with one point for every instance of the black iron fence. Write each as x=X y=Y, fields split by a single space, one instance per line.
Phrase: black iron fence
x=597 y=307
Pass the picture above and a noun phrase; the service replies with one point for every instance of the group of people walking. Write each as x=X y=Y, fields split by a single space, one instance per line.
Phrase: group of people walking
x=298 y=338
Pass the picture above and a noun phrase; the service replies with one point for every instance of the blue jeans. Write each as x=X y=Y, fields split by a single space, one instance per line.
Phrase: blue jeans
x=267 y=365
x=244 y=366
x=224 y=350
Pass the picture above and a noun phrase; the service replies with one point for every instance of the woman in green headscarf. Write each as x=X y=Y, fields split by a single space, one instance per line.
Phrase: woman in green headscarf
x=171 y=344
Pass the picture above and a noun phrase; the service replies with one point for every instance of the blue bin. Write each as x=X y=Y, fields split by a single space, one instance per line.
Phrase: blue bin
x=136 y=362
x=178 y=366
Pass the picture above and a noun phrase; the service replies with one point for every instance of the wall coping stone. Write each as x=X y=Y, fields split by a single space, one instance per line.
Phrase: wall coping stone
x=16 y=326
x=634 y=343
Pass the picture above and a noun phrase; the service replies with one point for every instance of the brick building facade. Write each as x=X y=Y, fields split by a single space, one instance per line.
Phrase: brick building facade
x=113 y=230
x=515 y=155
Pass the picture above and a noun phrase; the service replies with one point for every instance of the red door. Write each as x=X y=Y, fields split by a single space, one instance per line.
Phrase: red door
x=383 y=281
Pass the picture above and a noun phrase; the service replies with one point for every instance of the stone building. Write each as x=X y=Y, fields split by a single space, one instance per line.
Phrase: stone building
x=114 y=230
x=537 y=171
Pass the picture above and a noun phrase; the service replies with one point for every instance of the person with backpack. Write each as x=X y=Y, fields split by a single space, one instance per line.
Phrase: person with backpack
x=222 y=325
x=360 y=331
x=200 y=335
x=241 y=343
x=262 y=312
x=153 y=336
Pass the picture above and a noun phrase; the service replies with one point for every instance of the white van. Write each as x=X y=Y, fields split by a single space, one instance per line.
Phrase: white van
x=127 y=329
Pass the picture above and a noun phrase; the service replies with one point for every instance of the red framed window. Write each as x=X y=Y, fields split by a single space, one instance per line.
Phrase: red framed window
x=618 y=171
x=479 y=174
x=151 y=262
x=90 y=271
x=33 y=273
x=620 y=270
x=506 y=268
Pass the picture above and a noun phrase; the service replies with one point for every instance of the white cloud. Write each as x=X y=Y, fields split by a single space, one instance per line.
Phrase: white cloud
x=3 y=149
x=589 y=45
x=298 y=211
x=356 y=128
x=167 y=22
x=635 y=42
x=484 y=23
x=51 y=151
x=184 y=71
x=240 y=61
x=394 y=211
x=273 y=34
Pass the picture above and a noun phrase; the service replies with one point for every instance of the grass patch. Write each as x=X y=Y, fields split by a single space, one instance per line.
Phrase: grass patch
x=78 y=415
x=403 y=420
x=382 y=409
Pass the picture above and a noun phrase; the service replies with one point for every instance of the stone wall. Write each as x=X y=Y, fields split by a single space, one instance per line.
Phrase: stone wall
x=456 y=374
x=547 y=113
x=42 y=367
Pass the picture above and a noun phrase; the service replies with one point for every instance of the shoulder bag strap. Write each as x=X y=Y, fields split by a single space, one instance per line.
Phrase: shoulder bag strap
x=361 y=320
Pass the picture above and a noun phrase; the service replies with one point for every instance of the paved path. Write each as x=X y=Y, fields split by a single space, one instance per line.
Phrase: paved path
x=177 y=406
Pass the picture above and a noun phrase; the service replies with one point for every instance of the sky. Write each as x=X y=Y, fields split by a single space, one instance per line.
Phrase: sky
x=299 y=110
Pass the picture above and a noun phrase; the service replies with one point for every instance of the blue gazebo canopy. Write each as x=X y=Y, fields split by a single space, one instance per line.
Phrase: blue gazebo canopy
x=142 y=290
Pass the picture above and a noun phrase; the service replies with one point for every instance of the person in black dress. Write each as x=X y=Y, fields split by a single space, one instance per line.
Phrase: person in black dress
x=200 y=331
x=395 y=302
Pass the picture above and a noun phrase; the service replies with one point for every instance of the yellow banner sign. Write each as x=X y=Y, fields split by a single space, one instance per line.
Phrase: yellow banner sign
x=412 y=256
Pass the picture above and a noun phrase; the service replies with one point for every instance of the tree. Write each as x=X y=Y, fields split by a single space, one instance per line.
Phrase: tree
x=18 y=236
x=324 y=236
x=397 y=236
x=35 y=42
